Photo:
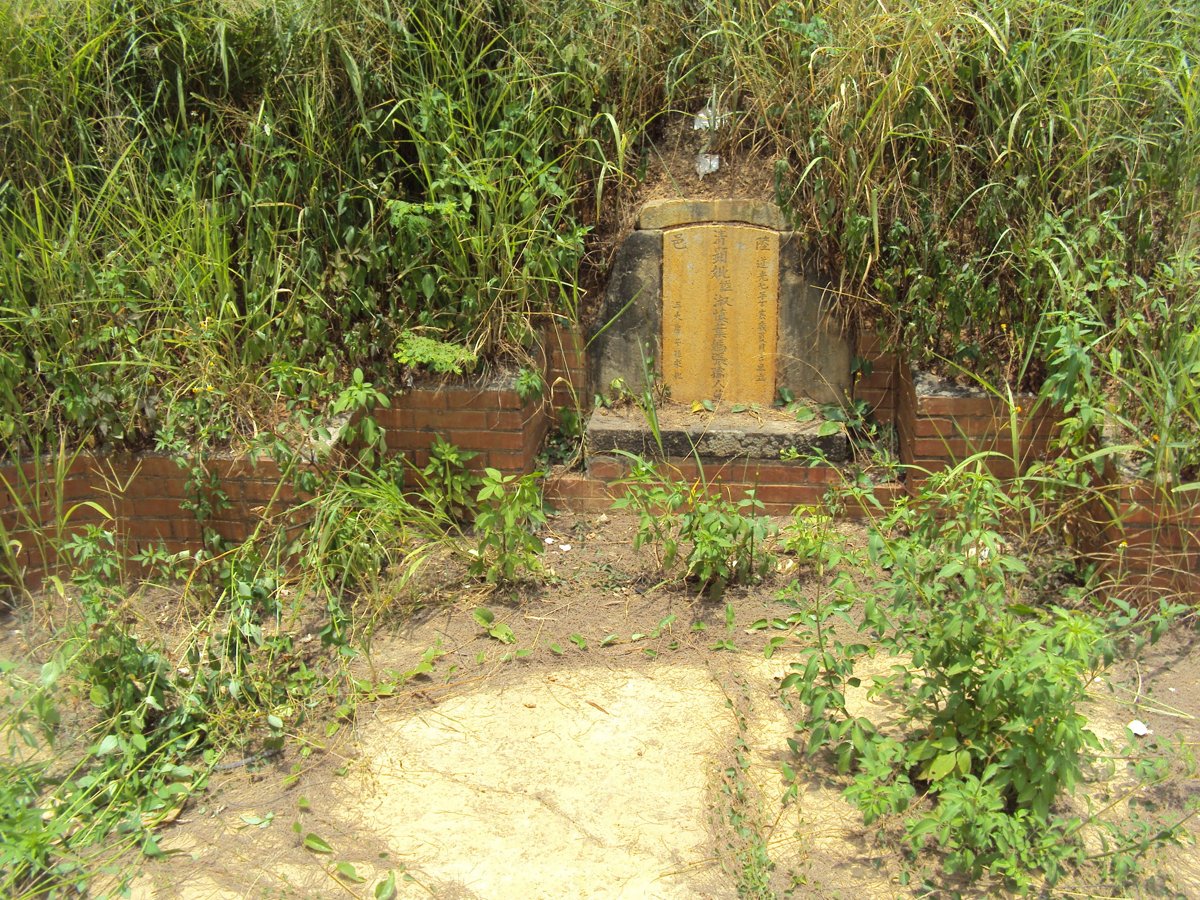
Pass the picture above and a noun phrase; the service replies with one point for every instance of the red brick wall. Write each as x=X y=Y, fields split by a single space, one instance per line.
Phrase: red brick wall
x=936 y=432
x=1146 y=538
x=780 y=485
x=878 y=387
x=566 y=369
x=144 y=497
x=493 y=422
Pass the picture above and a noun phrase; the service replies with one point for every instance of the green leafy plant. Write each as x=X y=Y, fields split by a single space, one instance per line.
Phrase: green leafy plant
x=510 y=512
x=656 y=503
x=362 y=432
x=417 y=351
x=486 y=619
x=446 y=482
x=530 y=384
x=729 y=541
x=726 y=542
x=854 y=417
x=991 y=685
x=132 y=771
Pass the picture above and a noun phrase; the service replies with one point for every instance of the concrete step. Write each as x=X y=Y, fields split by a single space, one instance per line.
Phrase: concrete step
x=717 y=434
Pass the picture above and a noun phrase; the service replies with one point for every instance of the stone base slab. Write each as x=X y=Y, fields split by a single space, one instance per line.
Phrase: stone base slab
x=716 y=435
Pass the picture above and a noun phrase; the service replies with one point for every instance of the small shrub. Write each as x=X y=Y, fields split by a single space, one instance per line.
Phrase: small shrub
x=510 y=511
x=656 y=503
x=991 y=686
x=448 y=484
x=359 y=399
x=728 y=542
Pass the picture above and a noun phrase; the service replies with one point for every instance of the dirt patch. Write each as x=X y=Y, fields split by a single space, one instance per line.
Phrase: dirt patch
x=586 y=783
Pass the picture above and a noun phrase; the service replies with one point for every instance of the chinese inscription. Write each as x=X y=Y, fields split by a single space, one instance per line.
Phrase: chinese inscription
x=720 y=313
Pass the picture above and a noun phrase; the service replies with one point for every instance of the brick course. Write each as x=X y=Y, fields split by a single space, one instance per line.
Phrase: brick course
x=1148 y=534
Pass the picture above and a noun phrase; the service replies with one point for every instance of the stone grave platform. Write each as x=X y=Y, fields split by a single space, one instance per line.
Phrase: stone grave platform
x=720 y=434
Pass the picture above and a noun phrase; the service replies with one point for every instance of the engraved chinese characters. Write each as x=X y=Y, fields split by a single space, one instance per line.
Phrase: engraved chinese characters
x=720 y=295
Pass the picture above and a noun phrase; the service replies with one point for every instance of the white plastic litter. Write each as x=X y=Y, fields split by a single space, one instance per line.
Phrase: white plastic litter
x=565 y=548
x=1138 y=727
x=707 y=163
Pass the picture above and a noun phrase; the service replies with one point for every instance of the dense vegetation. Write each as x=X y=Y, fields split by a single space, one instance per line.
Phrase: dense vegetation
x=209 y=206
x=219 y=214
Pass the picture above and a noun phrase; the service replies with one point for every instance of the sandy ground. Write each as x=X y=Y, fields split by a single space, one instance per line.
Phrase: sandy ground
x=646 y=765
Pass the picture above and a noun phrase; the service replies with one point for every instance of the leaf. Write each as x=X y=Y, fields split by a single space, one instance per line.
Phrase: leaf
x=949 y=570
x=502 y=633
x=347 y=872
x=316 y=843
x=579 y=641
x=386 y=889
x=483 y=617
x=828 y=428
x=611 y=639
x=108 y=745
x=556 y=649
x=258 y=821
x=275 y=723
x=964 y=762
x=805 y=414
x=662 y=626
x=942 y=766
x=150 y=847
x=50 y=673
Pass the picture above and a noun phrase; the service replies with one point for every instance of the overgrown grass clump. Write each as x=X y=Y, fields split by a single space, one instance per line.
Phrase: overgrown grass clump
x=209 y=205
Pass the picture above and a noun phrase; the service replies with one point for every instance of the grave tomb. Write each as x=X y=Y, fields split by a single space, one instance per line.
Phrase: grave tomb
x=712 y=300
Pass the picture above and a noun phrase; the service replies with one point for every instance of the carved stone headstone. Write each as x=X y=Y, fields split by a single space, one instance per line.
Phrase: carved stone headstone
x=717 y=296
x=720 y=295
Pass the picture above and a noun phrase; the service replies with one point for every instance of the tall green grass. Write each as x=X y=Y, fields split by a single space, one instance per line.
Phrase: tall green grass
x=213 y=204
x=210 y=206
x=978 y=177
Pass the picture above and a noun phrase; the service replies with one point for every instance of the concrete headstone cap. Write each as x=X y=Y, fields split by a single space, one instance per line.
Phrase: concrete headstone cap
x=659 y=214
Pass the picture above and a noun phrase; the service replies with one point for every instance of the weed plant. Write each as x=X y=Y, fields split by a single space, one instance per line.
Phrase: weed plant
x=723 y=541
x=509 y=515
x=448 y=485
x=116 y=730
